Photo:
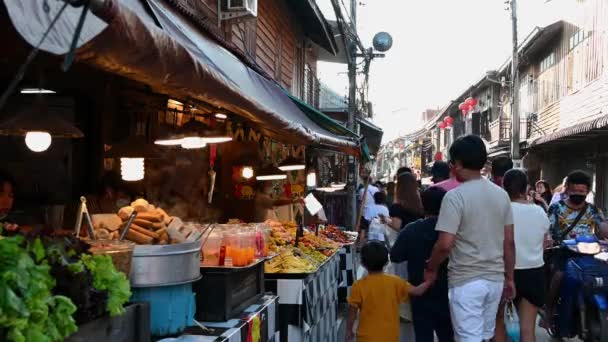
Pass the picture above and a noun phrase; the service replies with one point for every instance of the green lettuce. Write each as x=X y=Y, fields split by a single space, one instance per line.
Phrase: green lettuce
x=107 y=278
x=28 y=310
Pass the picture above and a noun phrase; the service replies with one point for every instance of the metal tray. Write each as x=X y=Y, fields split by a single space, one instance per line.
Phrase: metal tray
x=274 y=276
x=163 y=265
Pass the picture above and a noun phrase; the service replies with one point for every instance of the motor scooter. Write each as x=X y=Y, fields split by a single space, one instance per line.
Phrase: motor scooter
x=582 y=308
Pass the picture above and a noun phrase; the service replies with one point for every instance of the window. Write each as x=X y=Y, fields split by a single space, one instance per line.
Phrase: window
x=578 y=38
x=547 y=62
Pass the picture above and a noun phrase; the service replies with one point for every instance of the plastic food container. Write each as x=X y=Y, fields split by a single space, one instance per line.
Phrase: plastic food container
x=121 y=252
x=211 y=249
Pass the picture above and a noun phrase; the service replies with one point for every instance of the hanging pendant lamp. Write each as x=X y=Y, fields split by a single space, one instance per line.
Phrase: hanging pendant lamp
x=194 y=134
x=196 y=129
x=291 y=164
x=38 y=126
x=132 y=153
x=270 y=172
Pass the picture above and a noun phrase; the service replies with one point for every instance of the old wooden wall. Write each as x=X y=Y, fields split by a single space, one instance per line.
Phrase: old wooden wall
x=274 y=40
x=575 y=87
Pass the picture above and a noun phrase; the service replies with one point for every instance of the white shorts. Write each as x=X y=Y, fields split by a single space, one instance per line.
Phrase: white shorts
x=473 y=307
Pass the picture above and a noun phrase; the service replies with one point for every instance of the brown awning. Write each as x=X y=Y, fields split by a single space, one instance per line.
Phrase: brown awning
x=176 y=59
x=580 y=131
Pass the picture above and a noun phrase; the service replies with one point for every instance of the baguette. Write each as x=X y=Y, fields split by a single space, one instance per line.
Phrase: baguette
x=144 y=231
x=148 y=224
x=165 y=217
x=152 y=217
x=139 y=238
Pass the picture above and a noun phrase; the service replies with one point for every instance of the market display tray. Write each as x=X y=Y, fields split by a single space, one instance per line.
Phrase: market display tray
x=302 y=275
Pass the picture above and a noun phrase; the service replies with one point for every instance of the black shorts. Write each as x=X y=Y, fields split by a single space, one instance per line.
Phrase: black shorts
x=530 y=285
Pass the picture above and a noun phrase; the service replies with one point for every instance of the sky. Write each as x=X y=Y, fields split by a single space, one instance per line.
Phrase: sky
x=440 y=48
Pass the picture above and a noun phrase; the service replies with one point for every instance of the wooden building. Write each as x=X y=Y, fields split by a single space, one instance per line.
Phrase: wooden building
x=283 y=40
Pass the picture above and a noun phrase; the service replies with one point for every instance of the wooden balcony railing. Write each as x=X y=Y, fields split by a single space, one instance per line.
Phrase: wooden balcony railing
x=500 y=130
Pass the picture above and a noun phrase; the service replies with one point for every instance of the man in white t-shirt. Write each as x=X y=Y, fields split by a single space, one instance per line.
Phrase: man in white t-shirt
x=369 y=197
x=475 y=228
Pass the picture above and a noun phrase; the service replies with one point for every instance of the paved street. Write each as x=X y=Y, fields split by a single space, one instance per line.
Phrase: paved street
x=407 y=334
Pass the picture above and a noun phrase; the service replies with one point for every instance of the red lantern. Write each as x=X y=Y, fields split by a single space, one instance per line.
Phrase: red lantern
x=471 y=102
x=461 y=106
x=464 y=112
x=449 y=120
x=441 y=125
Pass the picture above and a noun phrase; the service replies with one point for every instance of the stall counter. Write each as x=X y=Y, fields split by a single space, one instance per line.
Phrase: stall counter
x=260 y=317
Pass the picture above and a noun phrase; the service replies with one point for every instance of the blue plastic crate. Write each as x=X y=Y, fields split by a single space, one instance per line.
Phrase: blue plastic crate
x=172 y=308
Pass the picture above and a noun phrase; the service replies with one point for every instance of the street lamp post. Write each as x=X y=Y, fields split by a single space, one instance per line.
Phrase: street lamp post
x=515 y=121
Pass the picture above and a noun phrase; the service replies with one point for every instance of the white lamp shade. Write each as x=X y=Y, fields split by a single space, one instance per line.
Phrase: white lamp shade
x=193 y=143
x=132 y=169
x=38 y=141
x=216 y=140
x=271 y=177
x=292 y=167
x=169 y=142
x=311 y=180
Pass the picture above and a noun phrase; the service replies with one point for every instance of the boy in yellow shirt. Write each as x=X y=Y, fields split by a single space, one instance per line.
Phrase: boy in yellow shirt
x=377 y=297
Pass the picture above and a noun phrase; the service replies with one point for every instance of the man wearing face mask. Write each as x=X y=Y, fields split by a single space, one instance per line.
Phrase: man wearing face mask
x=572 y=217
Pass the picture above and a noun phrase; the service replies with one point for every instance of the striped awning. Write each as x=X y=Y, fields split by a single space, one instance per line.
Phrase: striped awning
x=578 y=131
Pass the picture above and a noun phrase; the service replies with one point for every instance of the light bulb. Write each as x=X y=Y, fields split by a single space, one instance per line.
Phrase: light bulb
x=193 y=142
x=338 y=185
x=311 y=180
x=247 y=172
x=38 y=141
x=132 y=169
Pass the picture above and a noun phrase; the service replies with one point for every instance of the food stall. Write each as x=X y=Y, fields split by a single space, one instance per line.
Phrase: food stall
x=186 y=148
x=306 y=275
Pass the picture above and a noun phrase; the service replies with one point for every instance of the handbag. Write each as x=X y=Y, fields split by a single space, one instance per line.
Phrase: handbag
x=512 y=322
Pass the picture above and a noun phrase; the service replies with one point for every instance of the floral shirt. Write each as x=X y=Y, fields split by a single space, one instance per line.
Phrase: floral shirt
x=561 y=217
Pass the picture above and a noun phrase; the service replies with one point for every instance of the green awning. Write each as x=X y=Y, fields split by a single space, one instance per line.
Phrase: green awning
x=330 y=124
x=321 y=119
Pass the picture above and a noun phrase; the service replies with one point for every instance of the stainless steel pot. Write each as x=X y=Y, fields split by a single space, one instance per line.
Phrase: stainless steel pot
x=163 y=265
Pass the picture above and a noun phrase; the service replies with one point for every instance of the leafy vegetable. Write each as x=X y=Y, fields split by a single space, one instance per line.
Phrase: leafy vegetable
x=28 y=310
x=76 y=267
x=107 y=278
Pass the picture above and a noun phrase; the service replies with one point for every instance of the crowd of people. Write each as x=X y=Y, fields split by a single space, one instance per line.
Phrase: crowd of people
x=468 y=245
